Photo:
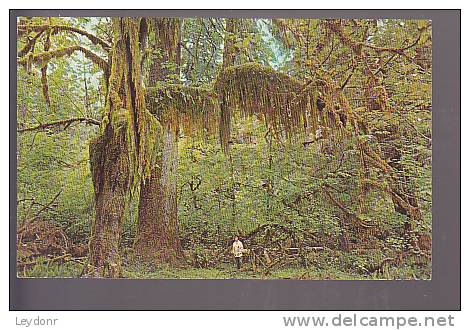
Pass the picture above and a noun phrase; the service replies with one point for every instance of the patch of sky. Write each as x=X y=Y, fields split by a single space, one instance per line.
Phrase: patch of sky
x=281 y=55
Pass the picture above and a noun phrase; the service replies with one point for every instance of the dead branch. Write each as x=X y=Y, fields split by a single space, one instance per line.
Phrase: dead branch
x=349 y=214
x=42 y=209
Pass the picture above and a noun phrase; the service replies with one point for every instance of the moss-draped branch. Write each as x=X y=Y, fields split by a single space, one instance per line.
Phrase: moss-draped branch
x=27 y=57
x=55 y=28
x=285 y=103
x=193 y=108
x=44 y=57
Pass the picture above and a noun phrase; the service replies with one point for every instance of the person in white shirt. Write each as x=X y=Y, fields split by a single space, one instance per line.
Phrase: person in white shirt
x=237 y=250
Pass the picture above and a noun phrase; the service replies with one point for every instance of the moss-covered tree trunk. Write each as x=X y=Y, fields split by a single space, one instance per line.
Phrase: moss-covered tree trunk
x=149 y=212
x=158 y=230
x=158 y=233
x=118 y=155
x=110 y=171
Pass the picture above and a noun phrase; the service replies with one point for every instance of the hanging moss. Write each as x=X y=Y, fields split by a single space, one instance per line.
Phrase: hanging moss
x=143 y=127
x=27 y=57
x=126 y=100
x=127 y=146
x=285 y=103
x=195 y=109
x=254 y=89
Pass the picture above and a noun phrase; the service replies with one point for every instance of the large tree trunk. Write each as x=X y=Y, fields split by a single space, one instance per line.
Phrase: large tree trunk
x=149 y=212
x=167 y=227
x=158 y=231
x=110 y=171
x=158 y=235
x=118 y=157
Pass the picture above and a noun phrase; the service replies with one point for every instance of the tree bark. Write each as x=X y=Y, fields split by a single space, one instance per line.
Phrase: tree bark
x=167 y=227
x=118 y=156
x=110 y=172
x=158 y=232
x=149 y=207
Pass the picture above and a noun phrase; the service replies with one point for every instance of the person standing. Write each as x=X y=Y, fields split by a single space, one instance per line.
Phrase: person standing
x=237 y=250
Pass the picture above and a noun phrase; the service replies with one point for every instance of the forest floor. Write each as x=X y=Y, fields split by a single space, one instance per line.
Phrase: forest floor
x=226 y=271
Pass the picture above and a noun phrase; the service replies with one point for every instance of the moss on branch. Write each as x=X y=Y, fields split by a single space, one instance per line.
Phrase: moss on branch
x=195 y=109
x=44 y=57
x=60 y=27
x=285 y=103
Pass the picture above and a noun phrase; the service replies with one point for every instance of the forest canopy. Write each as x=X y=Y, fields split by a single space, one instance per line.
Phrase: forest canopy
x=145 y=145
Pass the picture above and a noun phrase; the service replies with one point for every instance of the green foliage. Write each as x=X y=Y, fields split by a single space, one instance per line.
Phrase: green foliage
x=44 y=268
x=321 y=183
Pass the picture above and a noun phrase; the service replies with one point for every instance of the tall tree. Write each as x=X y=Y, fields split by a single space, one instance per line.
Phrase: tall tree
x=120 y=156
x=158 y=235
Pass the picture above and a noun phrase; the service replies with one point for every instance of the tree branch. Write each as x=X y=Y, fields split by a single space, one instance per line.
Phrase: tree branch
x=45 y=207
x=45 y=57
x=66 y=123
x=55 y=28
x=30 y=44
